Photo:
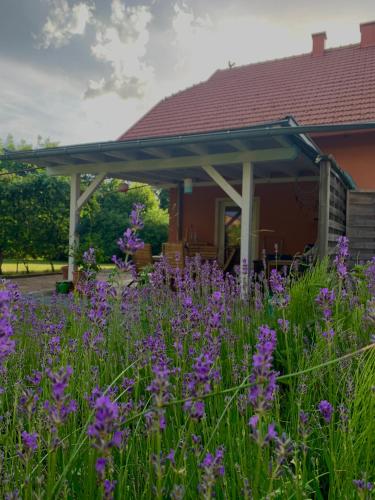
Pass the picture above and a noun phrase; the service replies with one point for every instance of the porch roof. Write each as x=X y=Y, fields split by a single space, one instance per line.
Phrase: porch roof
x=278 y=150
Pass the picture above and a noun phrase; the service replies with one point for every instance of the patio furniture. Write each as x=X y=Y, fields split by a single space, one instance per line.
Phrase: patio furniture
x=143 y=257
x=175 y=254
x=206 y=251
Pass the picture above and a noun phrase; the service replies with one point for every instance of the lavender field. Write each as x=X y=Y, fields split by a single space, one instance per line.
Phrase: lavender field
x=182 y=387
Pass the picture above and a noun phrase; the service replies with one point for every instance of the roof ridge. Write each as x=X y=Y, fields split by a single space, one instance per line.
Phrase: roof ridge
x=285 y=58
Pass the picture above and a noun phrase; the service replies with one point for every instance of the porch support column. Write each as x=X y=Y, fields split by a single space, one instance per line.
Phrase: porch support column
x=246 y=217
x=180 y=211
x=324 y=201
x=75 y=181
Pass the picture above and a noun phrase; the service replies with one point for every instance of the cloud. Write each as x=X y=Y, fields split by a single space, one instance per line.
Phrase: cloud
x=64 y=22
x=122 y=43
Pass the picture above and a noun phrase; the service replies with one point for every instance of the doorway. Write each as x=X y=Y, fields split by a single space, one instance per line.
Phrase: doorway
x=228 y=221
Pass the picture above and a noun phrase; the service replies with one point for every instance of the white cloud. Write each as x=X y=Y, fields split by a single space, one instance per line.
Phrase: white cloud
x=123 y=44
x=64 y=22
x=146 y=63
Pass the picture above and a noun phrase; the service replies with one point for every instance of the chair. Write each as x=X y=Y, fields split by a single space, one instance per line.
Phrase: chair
x=207 y=252
x=175 y=254
x=143 y=257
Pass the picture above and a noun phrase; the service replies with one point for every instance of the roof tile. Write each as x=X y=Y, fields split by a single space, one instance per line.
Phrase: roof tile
x=337 y=87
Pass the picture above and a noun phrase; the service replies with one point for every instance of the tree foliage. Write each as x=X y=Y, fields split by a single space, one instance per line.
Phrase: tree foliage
x=34 y=212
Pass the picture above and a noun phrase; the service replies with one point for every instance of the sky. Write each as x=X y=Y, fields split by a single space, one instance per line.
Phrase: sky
x=85 y=70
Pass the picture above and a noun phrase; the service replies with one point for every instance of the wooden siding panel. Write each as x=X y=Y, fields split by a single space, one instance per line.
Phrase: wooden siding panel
x=361 y=225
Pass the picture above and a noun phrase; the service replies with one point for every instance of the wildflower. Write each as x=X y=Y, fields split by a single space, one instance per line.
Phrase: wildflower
x=326 y=410
x=325 y=300
x=263 y=378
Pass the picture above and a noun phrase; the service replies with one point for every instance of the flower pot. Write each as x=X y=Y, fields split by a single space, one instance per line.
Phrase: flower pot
x=77 y=275
x=64 y=286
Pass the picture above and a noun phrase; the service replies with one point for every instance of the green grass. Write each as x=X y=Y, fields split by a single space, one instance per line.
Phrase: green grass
x=148 y=325
x=37 y=266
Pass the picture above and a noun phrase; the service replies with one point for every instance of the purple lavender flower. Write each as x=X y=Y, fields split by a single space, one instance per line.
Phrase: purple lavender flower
x=104 y=431
x=109 y=488
x=363 y=485
x=370 y=275
x=263 y=377
x=29 y=441
x=135 y=216
x=280 y=298
x=213 y=467
x=100 y=467
x=326 y=410
x=283 y=324
x=325 y=300
x=171 y=456
x=198 y=383
x=160 y=389
x=61 y=407
x=7 y=345
x=341 y=255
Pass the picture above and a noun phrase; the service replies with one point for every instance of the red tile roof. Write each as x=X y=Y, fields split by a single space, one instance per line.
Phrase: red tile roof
x=334 y=88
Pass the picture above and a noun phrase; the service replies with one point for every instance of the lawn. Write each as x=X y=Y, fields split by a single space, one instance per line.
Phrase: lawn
x=192 y=386
x=37 y=266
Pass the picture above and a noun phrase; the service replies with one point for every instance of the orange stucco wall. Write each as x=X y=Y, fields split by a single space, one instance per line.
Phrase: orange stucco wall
x=287 y=210
x=355 y=153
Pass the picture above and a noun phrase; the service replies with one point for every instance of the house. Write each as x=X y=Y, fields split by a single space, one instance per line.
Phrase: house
x=278 y=153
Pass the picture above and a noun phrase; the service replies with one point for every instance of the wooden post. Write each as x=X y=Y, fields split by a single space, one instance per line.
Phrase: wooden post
x=324 y=201
x=75 y=181
x=246 y=218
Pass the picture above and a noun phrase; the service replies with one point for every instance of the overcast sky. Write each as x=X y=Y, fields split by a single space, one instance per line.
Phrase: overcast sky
x=85 y=70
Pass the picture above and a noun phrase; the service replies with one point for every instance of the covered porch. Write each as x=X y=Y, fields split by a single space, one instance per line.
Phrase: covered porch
x=272 y=178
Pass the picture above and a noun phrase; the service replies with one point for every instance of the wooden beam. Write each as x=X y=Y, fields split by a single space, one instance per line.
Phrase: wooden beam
x=93 y=186
x=198 y=149
x=75 y=181
x=259 y=155
x=324 y=201
x=89 y=157
x=122 y=155
x=158 y=152
x=223 y=183
x=239 y=145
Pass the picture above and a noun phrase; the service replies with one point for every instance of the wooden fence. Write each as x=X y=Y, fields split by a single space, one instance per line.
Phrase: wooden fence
x=361 y=224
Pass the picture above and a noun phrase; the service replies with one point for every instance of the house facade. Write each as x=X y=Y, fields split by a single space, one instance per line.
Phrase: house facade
x=326 y=86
